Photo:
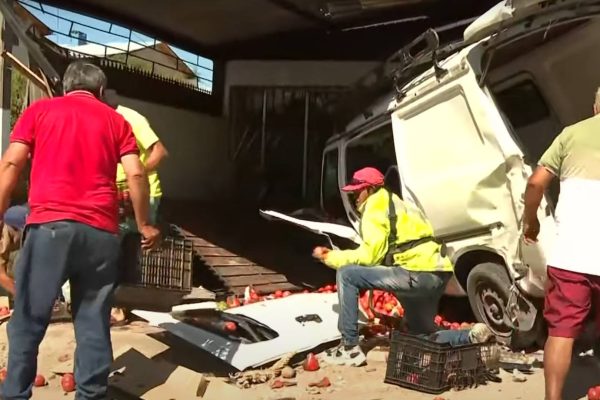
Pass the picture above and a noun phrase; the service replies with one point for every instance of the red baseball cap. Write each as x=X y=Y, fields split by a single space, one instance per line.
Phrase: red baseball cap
x=364 y=178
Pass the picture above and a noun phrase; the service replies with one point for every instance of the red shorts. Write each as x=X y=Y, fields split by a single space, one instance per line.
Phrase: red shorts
x=570 y=298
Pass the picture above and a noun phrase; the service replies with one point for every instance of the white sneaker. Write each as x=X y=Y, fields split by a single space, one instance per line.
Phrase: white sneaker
x=345 y=355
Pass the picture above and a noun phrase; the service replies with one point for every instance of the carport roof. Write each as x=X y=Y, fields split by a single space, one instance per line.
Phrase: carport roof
x=282 y=29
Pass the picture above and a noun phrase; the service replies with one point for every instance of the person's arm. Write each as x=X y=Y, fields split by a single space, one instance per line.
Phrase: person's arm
x=139 y=189
x=536 y=187
x=137 y=182
x=11 y=165
x=375 y=231
x=158 y=152
x=549 y=167
x=16 y=155
x=149 y=142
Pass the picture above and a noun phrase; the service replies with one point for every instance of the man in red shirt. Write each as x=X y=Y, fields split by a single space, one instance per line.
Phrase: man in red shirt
x=75 y=142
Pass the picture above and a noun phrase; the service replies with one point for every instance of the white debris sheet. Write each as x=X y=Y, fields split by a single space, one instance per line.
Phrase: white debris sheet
x=278 y=314
x=317 y=227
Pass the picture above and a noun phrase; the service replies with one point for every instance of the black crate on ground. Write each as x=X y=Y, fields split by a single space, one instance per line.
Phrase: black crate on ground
x=168 y=267
x=430 y=367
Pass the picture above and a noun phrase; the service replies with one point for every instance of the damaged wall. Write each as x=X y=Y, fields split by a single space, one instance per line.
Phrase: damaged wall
x=293 y=73
x=198 y=165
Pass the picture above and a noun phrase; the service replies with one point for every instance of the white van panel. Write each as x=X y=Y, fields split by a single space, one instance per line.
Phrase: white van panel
x=443 y=150
x=454 y=166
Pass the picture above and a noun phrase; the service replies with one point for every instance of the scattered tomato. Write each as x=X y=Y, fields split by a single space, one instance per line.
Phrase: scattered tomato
x=323 y=383
x=230 y=326
x=286 y=293
x=278 y=294
x=306 y=291
x=67 y=382
x=334 y=288
x=311 y=363
x=446 y=324
x=2 y=374
x=39 y=381
x=455 y=326
x=593 y=393
x=438 y=320
x=4 y=311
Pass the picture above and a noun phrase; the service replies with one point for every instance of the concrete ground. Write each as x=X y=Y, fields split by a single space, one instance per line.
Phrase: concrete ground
x=364 y=383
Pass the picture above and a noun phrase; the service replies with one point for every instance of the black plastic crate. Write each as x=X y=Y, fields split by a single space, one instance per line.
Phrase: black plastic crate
x=431 y=367
x=167 y=267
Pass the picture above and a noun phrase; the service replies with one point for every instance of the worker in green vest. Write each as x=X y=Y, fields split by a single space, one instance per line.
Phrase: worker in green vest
x=398 y=254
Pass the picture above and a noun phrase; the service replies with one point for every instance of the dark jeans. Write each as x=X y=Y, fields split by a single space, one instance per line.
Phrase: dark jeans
x=419 y=293
x=51 y=254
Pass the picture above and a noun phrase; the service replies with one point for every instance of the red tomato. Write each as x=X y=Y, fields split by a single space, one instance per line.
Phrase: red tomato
x=230 y=326
x=253 y=296
x=328 y=287
x=446 y=324
x=4 y=311
x=465 y=325
x=286 y=293
x=334 y=288
x=388 y=307
x=67 y=383
x=39 y=381
x=438 y=320
x=594 y=393
x=455 y=326
x=2 y=374
x=306 y=291
x=278 y=294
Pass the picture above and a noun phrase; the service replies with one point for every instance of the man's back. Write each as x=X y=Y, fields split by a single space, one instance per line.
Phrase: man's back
x=574 y=157
x=76 y=142
x=145 y=138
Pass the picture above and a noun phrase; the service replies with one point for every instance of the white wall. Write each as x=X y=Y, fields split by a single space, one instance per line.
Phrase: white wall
x=293 y=73
x=198 y=165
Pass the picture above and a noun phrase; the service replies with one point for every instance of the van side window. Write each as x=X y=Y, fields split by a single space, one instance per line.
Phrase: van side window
x=531 y=119
x=331 y=197
x=374 y=149
x=533 y=123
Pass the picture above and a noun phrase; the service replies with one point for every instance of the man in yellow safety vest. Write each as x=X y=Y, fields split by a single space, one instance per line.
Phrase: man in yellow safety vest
x=398 y=254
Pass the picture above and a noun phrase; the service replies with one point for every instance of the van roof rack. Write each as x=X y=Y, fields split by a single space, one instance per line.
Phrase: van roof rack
x=397 y=70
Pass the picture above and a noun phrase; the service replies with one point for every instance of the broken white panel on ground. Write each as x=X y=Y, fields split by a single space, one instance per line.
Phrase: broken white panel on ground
x=279 y=315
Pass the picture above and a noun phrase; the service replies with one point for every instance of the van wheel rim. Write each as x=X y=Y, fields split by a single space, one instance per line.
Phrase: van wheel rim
x=492 y=309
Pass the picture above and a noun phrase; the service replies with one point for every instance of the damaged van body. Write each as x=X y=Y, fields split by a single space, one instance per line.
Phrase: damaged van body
x=460 y=138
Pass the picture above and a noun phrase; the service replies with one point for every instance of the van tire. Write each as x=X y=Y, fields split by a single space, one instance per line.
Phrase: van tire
x=488 y=288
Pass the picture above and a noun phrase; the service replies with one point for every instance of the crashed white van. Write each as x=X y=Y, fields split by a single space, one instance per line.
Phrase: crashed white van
x=460 y=140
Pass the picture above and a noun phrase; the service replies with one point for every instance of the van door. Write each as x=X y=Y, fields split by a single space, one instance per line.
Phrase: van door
x=455 y=167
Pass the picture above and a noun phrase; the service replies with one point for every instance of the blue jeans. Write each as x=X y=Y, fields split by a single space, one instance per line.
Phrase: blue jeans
x=418 y=292
x=52 y=253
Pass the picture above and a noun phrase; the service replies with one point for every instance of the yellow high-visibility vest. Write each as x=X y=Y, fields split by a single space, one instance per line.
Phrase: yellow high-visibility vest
x=411 y=225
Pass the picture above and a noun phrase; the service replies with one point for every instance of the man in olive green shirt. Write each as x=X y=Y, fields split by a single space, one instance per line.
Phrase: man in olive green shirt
x=573 y=268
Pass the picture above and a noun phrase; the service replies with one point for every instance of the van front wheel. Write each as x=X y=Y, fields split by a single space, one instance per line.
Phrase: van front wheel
x=488 y=288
